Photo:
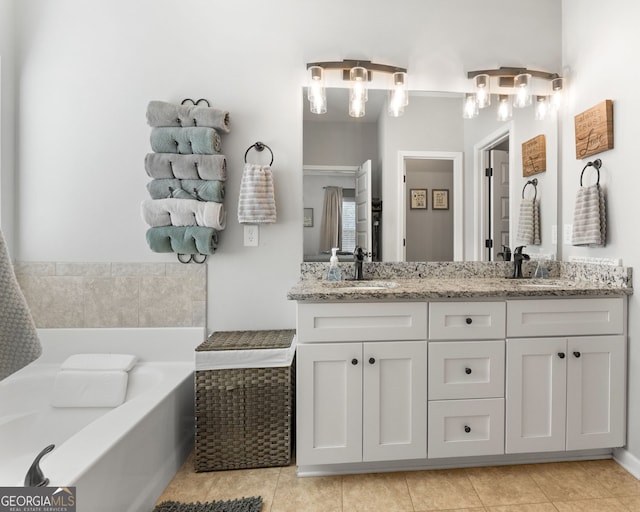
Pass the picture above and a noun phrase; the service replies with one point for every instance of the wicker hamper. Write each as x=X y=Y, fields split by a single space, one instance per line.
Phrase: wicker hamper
x=244 y=400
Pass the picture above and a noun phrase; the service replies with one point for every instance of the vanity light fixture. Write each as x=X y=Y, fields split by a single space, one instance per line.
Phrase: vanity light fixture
x=541 y=107
x=522 y=86
x=470 y=106
x=358 y=73
x=482 y=90
x=504 y=107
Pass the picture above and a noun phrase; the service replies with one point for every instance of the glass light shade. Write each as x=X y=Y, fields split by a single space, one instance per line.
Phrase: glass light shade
x=541 y=108
x=522 y=85
x=557 y=86
x=398 y=95
x=504 y=108
x=359 y=77
x=470 y=106
x=483 y=93
x=316 y=93
x=356 y=108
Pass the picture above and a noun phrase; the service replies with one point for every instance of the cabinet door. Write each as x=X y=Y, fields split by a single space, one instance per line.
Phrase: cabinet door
x=535 y=395
x=395 y=400
x=596 y=392
x=329 y=403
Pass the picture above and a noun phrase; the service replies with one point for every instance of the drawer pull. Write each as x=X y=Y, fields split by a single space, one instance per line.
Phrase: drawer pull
x=467 y=371
x=354 y=361
x=467 y=429
x=469 y=320
x=372 y=360
x=577 y=354
x=561 y=355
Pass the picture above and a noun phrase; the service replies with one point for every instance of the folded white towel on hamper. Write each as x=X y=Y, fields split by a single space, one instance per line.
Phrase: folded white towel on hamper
x=256 y=204
x=589 y=217
x=123 y=362
x=90 y=388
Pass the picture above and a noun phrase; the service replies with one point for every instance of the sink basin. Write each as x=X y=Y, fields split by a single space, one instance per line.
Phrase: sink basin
x=364 y=285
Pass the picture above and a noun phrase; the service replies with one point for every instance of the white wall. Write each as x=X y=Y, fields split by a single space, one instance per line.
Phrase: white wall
x=598 y=68
x=7 y=123
x=86 y=71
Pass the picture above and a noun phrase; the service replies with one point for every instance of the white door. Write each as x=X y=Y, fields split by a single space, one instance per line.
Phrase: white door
x=535 y=395
x=596 y=392
x=329 y=403
x=500 y=200
x=363 y=208
x=395 y=400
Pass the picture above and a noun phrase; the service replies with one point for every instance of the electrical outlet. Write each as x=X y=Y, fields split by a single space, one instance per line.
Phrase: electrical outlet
x=568 y=233
x=251 y=235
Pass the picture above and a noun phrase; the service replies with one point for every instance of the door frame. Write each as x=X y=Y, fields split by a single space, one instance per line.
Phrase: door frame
x=457 y=198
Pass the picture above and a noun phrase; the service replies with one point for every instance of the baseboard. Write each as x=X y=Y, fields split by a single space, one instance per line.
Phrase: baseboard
x=628 y=461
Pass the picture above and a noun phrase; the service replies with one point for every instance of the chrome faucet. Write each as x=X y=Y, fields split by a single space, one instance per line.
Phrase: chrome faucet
x=35 y=477
x=518 y=258
x=358 y=258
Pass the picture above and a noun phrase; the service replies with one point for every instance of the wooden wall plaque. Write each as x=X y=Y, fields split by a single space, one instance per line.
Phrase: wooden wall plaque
x=534 y=156
x=594 y=130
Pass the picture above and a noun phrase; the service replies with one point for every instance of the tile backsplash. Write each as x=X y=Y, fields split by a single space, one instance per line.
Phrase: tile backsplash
x=114 y=294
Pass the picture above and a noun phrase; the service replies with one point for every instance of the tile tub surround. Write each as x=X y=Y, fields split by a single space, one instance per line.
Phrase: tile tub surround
x=114 y=294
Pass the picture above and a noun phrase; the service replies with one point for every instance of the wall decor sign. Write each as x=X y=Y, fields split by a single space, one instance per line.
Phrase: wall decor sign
x=440 y=199
x=418 y=198
x=594 y=130
x=534 y=156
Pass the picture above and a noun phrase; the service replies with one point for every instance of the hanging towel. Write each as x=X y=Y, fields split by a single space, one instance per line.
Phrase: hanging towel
x=203 y=190
x=256 y=204
x=186 y=167
x=183 y=240
x=589 y=217
x=161 y=113
x=19 y=344
x=186 y=141
x=183 y=212
x=529 y=222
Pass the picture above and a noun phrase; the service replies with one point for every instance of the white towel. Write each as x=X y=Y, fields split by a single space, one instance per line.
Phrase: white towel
x=108 y=362
x=91 y=388
x=256 y=204
x=529 y=222
x=184 y=212
x=589 y=217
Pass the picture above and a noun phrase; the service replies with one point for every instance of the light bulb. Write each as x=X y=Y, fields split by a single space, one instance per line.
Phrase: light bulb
x=398 y=95
x=470 y=106
x=504 y=107
x=483 y=94
x=522 y=85
x=542 y=108
x=316 y=93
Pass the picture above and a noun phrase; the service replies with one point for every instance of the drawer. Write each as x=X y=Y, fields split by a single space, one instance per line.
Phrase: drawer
x=565 y=317
x=466 y=320
x=371 y=321
x=460 y=428
x=466 y=369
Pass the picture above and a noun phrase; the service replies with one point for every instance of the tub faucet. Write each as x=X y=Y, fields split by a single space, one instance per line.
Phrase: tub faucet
x=358 y=258
x=35 y=477
x=518 y=258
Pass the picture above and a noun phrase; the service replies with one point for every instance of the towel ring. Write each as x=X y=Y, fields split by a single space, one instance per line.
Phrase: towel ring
x=258 y=146
x=533 y=182
x=597 y=163
x=192 y=257
x=195 y=102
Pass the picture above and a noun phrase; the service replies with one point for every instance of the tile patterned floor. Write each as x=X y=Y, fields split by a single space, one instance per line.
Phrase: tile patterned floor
x=591 y=486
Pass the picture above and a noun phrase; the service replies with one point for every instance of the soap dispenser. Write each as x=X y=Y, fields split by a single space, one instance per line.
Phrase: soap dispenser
x=334 y=273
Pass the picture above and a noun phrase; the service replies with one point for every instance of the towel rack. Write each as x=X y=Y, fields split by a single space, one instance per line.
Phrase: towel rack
x=533 y=182
x=258 y=146
x=195 y=102
x=182 y=258
x=597 y=163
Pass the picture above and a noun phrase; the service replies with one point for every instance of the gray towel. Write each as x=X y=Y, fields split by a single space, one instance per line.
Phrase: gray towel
x=185 y=141
x=589 y=217
x=186 y=167
x=202 y=190
x=183 y=240
x=183 y=212
x=529 y=222
x=161 y=113
x=19 y=344
x=256 y=204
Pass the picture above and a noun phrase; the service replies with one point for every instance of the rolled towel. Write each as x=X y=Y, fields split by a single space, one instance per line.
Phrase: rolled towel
x=90 y=388
x=122 y=362
x=183 y=240
x=161 y=113
x=589 y=217
x=203 y=190
x=256 y=204
x=183 y=212
x=186 y=141
x=186 y=167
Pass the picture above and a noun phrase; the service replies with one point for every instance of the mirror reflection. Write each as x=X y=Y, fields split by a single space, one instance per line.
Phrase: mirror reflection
x=426 y=197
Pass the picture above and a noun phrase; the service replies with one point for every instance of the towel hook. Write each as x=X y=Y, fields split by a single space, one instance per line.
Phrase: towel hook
x=533 y=182
x=597 y=163
x=258 y=146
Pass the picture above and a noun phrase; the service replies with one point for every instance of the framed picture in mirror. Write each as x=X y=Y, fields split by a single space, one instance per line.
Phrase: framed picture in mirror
x=440 y=199
x=418 y=198
x=308 y=217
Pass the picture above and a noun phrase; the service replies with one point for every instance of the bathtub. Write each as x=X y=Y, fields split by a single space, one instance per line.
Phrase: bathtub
x=119 y=459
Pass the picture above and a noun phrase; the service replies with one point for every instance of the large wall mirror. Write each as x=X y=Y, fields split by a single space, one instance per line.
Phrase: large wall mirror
x=427 y=196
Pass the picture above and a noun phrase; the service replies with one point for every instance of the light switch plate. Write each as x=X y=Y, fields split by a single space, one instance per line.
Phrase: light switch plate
x=568 y=232
x=251 y=235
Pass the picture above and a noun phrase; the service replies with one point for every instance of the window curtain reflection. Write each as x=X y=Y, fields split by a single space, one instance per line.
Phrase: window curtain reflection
x=331 y=225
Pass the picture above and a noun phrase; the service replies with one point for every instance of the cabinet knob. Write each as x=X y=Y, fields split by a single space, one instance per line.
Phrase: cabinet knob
x=467 y=371
x=354 y=361
x=372 y=360
x=577 y=354
x=561 y=355
x=469 y=320
x=467 y=429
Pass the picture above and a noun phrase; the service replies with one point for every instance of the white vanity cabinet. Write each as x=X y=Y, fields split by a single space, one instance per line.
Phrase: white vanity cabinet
x=565 y=392
x=361 y=400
